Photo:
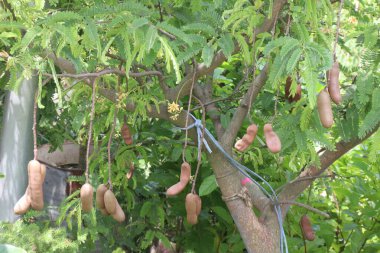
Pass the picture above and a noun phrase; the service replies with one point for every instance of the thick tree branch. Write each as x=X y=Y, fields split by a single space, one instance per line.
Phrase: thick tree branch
x=230 y=133
x=293 y=189
x=204 y=93
x=268 y=23
x=183 y=88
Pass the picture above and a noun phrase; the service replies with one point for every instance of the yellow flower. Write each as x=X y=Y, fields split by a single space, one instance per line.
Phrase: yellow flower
x=173 y=107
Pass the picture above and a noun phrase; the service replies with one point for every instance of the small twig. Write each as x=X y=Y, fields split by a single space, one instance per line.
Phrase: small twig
x=93 y=83
x=305 y=206
x=171 y=36
x=107 y=72
x=109 y=147
x=46 y=81
x=160 y=9
x=337 y=28
x=35 y=150
x=288 y=25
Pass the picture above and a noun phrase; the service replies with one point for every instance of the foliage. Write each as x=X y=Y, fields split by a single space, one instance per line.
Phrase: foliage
x=49 y=239
x=169 y=36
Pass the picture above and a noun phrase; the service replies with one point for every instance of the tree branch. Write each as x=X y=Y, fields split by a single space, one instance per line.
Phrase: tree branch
x=204 y=93
x=230 y=133
x=183 y=88
x=294 y=188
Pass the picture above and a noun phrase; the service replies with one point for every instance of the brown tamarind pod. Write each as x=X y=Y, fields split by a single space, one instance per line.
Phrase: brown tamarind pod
x=100 y=192
x=199 y=204
x=240 y=145
x=184 y=180
x=86 y=197
x=130 y=172
x=247 y=139
x=35 y=184
x=110 y=202
x=43 y=172
x=297 y=95
x=191 y=208
x=324 y=109
x=126 y=134
x=119 y=214
x=252 y=130
x=272 y=140
x=23 y=204
x=333 y=83
x=185 y=172
x=307 y=229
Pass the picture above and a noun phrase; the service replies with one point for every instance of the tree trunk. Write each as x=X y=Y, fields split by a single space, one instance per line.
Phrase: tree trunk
x=258 y=236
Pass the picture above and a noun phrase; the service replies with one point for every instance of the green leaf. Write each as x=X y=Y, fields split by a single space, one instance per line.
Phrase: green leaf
x=223 y=213
x=226 y=44
x=208 y=185
x=170 y=57
x=293 y=60
x=151 y=37
x=207 y=55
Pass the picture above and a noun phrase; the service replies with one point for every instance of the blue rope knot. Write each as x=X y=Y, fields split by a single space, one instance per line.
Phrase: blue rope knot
x=199 y=126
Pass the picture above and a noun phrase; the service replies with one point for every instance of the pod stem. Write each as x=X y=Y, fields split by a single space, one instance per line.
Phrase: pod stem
x=315 y=210
x=111 y=134
x=200 y=145
x=188 y=112
x=93 y=83
x=337 y=28
x=34 y=128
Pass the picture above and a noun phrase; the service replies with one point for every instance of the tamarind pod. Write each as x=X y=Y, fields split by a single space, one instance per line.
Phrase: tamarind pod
x=130 y=172
x=183 y=180
x=272 y=140
x=297 y=95
x=175 y=189
x=86 y=197
x=119 y=214
x=191 y=202
x=240 y=145
x=43 y=172
x=333 y=84
x=126 y=134
x=252 y=130
x=110 y=202
x=307 y=229
x=324 y=109
x=199 y=204
x=104 y=211
x=35 y=184
x=100 y=191
x=23 y=204
x=185 y=173
x=248 y=139
x=192 y=219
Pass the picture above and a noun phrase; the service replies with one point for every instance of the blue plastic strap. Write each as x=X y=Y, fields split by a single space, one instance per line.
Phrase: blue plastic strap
x=198 y=125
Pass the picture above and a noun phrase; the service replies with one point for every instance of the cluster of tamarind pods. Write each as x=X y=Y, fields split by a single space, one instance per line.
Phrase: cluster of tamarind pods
x=331 y=92
x=105 y=201
x=33 y=196
x=272 y=140
x=193 y=202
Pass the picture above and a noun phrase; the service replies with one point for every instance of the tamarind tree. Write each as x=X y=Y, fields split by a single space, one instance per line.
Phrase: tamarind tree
x=225 y=62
